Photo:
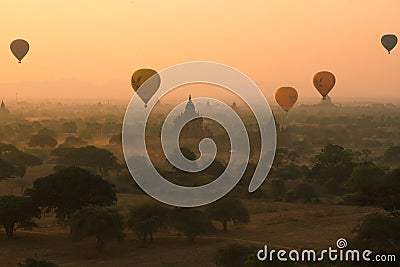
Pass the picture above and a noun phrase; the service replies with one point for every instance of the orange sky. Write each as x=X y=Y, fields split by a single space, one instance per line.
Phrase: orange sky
x=90 y=48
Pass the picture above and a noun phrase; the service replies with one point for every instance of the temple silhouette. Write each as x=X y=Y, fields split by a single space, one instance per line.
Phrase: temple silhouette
x=3 y=109
x=194 y=129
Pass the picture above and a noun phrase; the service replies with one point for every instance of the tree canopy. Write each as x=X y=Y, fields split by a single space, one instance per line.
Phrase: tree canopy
x=228 y=210
x=6 y=169
x=192 y=223
x=17 y=212
x=147 y=219
x=99 y=159
x=370 y=185
x=70 y=189
x=333 y=163
x=379 y=232
x=42 y=140
x=14 y=162
x=104 y=223
x=391 y=156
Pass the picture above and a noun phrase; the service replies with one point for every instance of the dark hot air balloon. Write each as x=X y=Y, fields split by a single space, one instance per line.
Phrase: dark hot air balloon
x=19 y=48
x=389 y=41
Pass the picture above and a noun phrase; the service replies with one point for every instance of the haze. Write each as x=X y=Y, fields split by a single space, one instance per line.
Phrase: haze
x=89 y=49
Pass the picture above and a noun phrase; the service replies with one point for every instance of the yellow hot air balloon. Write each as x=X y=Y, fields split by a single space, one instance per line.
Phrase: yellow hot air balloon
x=324 y=81
x=286 y=97
x=19 y=48
x=148 y=89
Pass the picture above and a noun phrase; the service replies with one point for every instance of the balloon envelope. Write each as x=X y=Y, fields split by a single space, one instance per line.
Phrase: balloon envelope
x=286 y=97
x=145 y=82
x=19 y=48
x=324 y=81
x=389 y=41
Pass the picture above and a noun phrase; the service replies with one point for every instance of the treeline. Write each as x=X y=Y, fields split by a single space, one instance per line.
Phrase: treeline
x=48 y=133
x=334 y=171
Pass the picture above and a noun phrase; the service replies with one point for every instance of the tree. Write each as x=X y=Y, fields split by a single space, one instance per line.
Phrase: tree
x=379 y=232
x=372 y=186
x=89 y=156
x=48 y=132
x=42 y=141
x=104 y=223
x=24 y=131
x=192 y=223
x=228 y=210
x=290 y=172
x=19 y=160
x=366 y=152
x=6 y=169
x=189 y=154
x=69 y=127
x=285 y=157
x=94 y=128
x=276 y=189
x=17 y=212
x=30 y=262
x=390 y=197
x=147 y=219
x=7 y=148
x=332 y=163
x=110 y=127
x=304 y=192
x=70 y=189
x=365 y=178
x=116 y=139
x=72 y=141
x=392 y=156
x=215 y=169
x=186 y=152
x=234 y=255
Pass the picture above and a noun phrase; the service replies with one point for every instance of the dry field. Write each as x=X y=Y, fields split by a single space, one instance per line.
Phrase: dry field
x=283 y=225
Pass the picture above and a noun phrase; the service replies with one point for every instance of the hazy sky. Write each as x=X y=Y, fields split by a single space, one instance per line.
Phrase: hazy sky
x=90 y=48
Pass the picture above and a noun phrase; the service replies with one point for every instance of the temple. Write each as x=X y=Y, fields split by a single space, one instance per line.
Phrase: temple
x=3 y=109
x=195 y=128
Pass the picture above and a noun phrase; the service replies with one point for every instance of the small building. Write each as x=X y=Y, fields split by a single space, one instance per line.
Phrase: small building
x=327 y=102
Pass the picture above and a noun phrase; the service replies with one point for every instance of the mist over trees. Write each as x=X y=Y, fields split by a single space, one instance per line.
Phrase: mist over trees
x=342 y=158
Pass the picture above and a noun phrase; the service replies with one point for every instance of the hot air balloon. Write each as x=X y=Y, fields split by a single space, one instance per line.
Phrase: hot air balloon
x=19 y=48
x=148 y=89
x=324 y=81
x=389 y=41
x=286 y=97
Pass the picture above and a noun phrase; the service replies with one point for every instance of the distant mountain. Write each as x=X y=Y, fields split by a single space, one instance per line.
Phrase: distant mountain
x=66 y=88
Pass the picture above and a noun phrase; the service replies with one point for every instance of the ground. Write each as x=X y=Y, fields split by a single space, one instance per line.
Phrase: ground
x=281 y=225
